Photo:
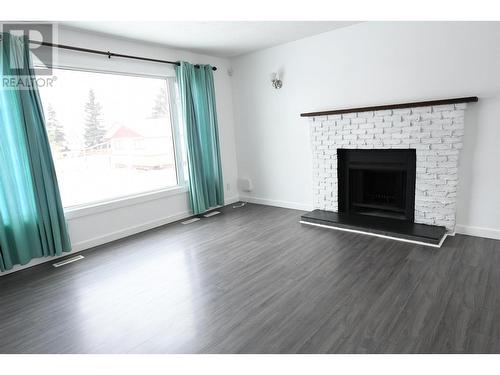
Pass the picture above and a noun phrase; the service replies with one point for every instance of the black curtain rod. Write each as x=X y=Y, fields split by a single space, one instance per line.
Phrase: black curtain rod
x=109 y=54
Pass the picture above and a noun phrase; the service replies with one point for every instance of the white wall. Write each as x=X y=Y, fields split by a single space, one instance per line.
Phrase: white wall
x=95 y=228
x=368 y=64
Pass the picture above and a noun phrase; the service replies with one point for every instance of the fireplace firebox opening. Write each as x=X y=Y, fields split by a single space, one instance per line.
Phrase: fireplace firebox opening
x=377 y=182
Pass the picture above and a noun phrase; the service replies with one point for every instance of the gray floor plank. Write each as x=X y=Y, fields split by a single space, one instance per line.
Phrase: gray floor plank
x=254 y=280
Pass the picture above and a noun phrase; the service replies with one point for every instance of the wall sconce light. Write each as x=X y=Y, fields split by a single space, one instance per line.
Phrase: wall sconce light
x=276 y=81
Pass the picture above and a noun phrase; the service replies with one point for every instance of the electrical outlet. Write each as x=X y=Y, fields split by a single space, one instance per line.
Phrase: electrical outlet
x=228 y=186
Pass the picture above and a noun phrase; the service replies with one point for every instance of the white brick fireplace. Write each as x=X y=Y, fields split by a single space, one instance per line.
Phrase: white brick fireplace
x=435 y=132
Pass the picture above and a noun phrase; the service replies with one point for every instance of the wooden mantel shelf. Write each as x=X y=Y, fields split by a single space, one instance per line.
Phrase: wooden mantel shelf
x=468 y=99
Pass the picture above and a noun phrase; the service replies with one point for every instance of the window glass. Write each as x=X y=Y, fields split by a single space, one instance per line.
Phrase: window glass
x=110 y=135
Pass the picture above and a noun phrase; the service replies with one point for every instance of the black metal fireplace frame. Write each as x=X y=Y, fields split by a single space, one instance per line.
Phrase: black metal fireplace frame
x=376 y=159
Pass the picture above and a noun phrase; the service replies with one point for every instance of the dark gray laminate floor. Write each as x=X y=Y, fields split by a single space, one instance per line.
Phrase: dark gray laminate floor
x=254 y=280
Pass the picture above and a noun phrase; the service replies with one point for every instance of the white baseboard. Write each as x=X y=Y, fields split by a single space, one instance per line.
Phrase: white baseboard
x=126 y=232
x=93 y=242
x=461 y=229
x=478 y=231
x=101 y=240
x=123 y=233
x=231 y=200
x=277 y=203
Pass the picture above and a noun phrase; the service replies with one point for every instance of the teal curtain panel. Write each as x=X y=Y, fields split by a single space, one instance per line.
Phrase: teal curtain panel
x=199 y=115
x=32 y=223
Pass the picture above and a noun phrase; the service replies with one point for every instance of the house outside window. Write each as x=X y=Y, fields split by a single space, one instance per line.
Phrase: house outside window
x=112 y=135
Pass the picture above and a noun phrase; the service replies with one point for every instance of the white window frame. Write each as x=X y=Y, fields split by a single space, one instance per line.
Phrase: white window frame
x=133 y=199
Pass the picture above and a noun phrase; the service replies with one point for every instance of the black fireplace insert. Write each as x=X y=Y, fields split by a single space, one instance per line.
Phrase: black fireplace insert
x=377 y=182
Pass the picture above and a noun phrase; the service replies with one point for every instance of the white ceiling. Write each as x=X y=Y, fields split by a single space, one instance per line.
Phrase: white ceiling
x=223 y=39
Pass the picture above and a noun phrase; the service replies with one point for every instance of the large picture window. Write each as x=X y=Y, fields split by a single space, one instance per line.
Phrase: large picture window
x=111 y=135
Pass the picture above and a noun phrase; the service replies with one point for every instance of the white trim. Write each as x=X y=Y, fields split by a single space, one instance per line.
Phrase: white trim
x=376 y=235
x=190 y=221
x=122 y=233
x=74 y=212
x=227 y=201
x=277 y=203
x=108 y=71
x=175 y=126
x=101 y=240
x=231 y=200
x=478 y=231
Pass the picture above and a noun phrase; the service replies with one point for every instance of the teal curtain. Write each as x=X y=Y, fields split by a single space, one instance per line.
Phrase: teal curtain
x=32 y=223
x=196 y=88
